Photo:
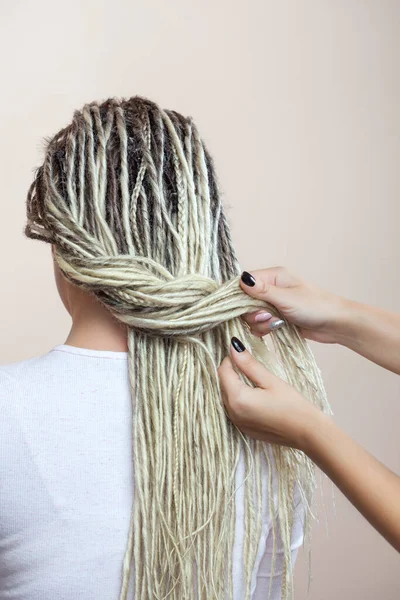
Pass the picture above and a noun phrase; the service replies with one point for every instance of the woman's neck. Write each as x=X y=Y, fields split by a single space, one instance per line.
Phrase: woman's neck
x=94 y=327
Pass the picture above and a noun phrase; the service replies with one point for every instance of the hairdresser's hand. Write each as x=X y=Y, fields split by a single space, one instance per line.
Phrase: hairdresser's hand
x=276 y=413
x=273 y=411
x=324 y=317
x=316 y=312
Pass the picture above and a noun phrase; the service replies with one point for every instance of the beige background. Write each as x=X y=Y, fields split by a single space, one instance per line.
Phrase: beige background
x=299 y=102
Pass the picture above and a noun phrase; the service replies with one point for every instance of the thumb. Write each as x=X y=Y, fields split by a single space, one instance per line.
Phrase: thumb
x=249 y=366
x=262 y=285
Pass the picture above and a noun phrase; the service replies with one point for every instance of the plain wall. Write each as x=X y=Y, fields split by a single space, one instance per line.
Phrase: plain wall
x=299 y=103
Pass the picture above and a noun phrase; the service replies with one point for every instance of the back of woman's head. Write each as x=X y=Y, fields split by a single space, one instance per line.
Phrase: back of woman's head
x=128 y=196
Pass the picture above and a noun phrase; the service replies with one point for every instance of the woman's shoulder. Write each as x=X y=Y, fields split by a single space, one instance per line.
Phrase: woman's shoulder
x=19 y=377
x=12 y=372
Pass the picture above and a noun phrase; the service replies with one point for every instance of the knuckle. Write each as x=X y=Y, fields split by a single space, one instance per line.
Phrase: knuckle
x=238 y=408
x=260 y=330
x=264 y=287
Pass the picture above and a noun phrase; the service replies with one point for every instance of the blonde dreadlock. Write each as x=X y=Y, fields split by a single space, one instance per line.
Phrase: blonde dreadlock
x=127 y=194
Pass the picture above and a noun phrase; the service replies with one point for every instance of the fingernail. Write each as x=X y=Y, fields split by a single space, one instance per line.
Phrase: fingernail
x=237 y=344
x=277 y=324
x=248 y=279
x=263 y=316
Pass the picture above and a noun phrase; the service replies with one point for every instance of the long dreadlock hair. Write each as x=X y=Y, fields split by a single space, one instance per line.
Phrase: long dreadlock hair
x=128 y=196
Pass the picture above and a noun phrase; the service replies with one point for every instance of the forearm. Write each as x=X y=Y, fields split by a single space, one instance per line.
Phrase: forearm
x=370 y=486
x=371 y=332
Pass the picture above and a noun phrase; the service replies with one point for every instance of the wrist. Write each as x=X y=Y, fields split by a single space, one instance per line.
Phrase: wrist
x=315 y=430
x=341 y=324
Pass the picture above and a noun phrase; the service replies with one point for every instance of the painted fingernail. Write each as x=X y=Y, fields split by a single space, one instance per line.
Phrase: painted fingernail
x=248 y=279
x=263 y=316
x=237 y=344
x=277 y=324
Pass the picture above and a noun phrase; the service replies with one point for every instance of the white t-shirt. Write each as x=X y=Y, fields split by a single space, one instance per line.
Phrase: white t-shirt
x=66 y=481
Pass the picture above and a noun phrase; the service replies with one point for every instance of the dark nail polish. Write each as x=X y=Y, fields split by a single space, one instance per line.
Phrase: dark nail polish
x=237 y=344
x=248 y=279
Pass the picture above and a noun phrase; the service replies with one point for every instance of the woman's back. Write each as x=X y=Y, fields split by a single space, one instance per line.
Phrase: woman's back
x=66 y=482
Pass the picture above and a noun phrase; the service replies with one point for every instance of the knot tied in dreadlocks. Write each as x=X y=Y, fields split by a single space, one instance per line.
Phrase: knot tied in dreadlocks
x=143 y=294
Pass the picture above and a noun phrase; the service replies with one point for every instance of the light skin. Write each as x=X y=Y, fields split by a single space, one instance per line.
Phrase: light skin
x=275 y=412
x=324 y=317
x=93 y=326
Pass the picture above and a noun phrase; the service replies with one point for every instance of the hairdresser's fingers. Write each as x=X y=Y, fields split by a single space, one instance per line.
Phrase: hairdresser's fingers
x=277 y=276
x=229 y=379
x=262 y=322
x=263 y=286
x=270 y=285
x=250 y=366
x=259 y=318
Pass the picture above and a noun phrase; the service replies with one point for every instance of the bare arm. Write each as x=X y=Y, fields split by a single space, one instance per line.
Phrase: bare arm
x=371 y=332
x=275 y=412
x=369 y=485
